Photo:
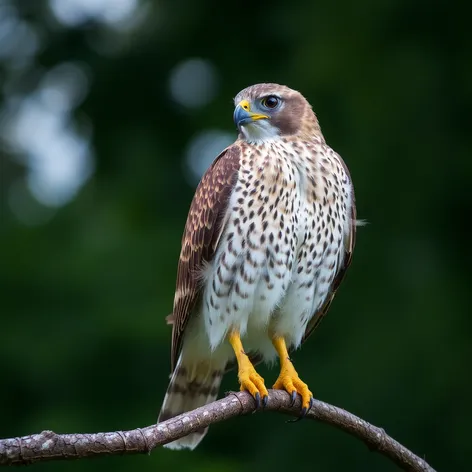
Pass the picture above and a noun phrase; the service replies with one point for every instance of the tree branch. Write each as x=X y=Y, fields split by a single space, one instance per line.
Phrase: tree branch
x=49 y=445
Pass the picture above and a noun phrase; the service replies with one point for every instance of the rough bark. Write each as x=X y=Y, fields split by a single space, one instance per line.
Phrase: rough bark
x=49 y=445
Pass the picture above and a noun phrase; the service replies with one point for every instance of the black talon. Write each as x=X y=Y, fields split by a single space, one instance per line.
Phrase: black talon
x=265 y=400
x=311 y=403
x=293 y=397
x=304 y=411
x=257 y=397
x=302 y=415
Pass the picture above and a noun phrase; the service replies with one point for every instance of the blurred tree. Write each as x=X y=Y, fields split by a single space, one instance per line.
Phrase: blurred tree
x=100 y=133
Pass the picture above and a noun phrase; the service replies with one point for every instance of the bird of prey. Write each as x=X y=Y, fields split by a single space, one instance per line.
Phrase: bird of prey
x=268 y=239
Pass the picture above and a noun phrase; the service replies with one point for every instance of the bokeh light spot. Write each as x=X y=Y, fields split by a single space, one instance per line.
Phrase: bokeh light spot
x=193 y=83
x=19 y=41
x=77 y=12
x=64 y=87
x=42 y=132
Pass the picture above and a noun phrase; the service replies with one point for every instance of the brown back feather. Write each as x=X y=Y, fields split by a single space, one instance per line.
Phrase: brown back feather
x=201 y=235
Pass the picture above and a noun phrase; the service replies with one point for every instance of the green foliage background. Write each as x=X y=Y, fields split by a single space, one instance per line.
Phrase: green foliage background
x=83 y=342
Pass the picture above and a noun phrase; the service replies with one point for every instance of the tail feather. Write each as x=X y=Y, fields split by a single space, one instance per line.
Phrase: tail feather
x=192 y=385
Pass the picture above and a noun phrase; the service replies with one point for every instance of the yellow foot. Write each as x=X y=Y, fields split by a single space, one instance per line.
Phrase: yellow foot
x=288 y=378
x=290 y=381
x=253 y=383
x=249 y=379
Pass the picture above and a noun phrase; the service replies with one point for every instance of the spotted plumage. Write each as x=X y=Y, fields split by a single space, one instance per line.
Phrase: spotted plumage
x=269 y=236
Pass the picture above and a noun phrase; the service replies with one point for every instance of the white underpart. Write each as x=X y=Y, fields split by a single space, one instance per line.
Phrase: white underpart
x=284 y=282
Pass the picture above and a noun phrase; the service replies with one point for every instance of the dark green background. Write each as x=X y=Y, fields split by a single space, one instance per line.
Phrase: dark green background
x=83 y=342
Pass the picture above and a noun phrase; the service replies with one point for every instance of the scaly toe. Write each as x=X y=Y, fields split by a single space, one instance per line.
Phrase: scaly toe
x=305 y=409
x=253 y=383
x=307 y=401
x=293 y=385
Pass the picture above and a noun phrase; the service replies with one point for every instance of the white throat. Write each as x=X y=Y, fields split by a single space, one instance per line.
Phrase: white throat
x=259 y=131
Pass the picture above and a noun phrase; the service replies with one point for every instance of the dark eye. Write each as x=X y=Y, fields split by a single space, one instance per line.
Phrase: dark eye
x=270 y=102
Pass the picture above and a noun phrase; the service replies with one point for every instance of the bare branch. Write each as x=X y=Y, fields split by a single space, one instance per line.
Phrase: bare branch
x=49 y=445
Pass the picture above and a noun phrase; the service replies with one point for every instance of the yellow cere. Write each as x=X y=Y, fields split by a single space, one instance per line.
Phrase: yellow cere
x=244 y=104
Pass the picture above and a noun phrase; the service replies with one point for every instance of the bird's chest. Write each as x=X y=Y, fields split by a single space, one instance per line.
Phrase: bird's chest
x=281 y=246
x=266 y=220
x=268 y=214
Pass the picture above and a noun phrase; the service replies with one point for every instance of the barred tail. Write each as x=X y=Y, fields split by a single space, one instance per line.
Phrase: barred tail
x=192 y=385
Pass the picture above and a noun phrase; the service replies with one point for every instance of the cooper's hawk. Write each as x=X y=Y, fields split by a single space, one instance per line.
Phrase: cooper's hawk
x=268 y=239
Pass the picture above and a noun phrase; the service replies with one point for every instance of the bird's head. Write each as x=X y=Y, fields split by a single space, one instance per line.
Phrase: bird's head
x=269 y=111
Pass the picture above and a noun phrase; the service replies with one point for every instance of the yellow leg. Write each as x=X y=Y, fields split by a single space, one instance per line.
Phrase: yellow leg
x=288 y=378
x=249 y=379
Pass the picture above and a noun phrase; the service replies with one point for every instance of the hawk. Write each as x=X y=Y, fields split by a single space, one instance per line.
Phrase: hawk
x=268 y=239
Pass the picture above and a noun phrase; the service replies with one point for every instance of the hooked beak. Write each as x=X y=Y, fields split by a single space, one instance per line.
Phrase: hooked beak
x=243 y=115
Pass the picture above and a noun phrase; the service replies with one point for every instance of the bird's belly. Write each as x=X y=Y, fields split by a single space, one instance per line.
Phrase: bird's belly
x=244 y=288
x=272 y=288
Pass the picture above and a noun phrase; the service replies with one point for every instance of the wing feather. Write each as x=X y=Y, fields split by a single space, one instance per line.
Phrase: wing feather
x=200 y=239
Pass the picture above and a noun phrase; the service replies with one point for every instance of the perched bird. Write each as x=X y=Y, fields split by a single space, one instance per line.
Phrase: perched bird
x=268 y=239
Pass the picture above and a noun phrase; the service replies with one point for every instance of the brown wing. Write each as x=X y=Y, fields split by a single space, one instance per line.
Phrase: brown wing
x=349 y=248
x=201 y=235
